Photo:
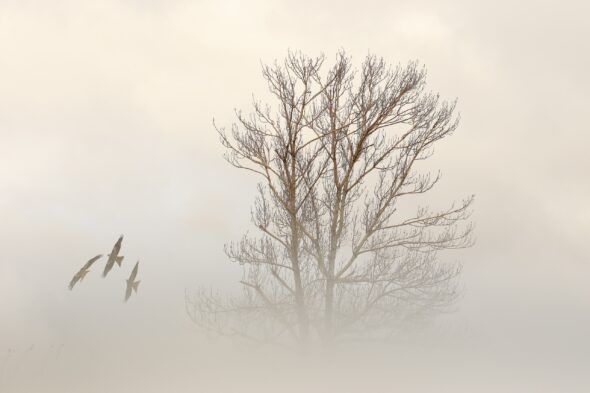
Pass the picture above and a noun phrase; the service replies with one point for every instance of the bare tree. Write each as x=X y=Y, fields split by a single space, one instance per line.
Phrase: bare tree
x=337 y=257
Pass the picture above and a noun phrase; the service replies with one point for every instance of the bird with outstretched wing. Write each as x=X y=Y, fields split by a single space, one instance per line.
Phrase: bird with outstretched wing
x=114 y=257
x=131 y=283
x=79 y=276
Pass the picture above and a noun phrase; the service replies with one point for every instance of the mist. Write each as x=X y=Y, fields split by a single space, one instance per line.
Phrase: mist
x=106 y=128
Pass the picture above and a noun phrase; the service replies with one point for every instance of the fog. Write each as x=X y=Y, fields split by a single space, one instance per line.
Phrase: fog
x=106 y=128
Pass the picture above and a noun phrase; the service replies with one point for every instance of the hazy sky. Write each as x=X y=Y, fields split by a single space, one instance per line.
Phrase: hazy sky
x=106 y=115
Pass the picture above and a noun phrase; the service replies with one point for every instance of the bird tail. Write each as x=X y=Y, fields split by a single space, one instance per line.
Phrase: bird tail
x=135 y=286
x=119 y=260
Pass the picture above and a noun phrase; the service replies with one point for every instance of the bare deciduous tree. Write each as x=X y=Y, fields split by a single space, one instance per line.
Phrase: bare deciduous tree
x=336 y=257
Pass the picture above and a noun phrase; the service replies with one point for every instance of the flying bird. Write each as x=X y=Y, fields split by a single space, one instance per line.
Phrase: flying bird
x=114 y=257
x=82 y=272
x=131 y=283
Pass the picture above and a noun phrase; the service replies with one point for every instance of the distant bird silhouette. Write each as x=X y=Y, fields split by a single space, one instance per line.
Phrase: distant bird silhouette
x=114 y=257
x=83 y=272
x=131 y=283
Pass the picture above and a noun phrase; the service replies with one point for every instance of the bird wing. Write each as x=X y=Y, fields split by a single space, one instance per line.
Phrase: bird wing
x=128 y=290
x=117 y=245
x=134 y=272
x=109 y=265
x=90 y=262
x=74 y=280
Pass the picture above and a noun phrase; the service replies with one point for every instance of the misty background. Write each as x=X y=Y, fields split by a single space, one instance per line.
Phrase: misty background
x=106 y=115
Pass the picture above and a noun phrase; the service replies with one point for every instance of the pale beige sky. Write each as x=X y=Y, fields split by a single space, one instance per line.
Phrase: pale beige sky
x=105 y=128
